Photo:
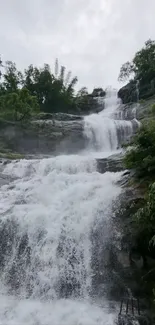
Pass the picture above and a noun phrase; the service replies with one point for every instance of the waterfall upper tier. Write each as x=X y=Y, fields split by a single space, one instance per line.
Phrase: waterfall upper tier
x=108 y=130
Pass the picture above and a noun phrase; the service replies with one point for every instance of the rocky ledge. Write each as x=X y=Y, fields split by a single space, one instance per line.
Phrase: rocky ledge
x=111 y=164
x=41 y=137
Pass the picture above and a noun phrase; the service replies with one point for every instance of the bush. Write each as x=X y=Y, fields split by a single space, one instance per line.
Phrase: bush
x=144 y=219
x=141 y=157
x=153 y=109
x=19 y=106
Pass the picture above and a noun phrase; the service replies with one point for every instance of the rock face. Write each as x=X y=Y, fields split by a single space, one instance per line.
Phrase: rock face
x=59 y=117
x=141 y=110
x=42 y=137
x=128 y=93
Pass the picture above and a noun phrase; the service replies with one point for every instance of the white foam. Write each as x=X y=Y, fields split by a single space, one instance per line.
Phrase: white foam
x=62 y=312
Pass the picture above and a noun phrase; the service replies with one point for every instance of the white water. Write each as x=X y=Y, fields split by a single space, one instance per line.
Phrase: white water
x=104 y=131
x=57 y=202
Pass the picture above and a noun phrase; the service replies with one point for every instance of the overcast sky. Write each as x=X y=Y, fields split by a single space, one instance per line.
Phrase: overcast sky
x=90 y=37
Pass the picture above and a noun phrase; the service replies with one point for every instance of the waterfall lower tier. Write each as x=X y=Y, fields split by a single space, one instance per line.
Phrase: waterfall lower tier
x=50 y=211
x=48 y=215
x=107 y=135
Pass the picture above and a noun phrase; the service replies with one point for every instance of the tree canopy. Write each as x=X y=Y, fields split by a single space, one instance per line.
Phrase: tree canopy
x=141 y=72
x=19 y=105
x=22 y=93
x=142 y=67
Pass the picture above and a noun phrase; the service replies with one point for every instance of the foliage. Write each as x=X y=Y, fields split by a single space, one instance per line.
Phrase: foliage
x=142 y=70
x=12 y=77
x=126 y=70
x=142 y=65
x=144 y=62
x=98 y=92
x=11 y=156
x=54 y=92
x=141 y=157
x=145 y=217
x=153 y=109
x=18 y=106
x=21 y=94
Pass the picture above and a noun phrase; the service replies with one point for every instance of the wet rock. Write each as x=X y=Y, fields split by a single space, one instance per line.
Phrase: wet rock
x=111 y=164
x=140 y=110
x=131 y=319
x=4 y=162
x=59 y=117
x=128 y=92
x=5 y=179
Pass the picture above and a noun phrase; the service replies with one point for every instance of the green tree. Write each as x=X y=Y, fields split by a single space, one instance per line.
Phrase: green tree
x=85 y=102
x=18 y=106
x=98 y=92
x=13 y=79
x=126 y=70
x=54 y=92
x=2 y=90
x=29 y=79
x=82 y=100
x=142 y=66
x=64 y=82
x=67 y=79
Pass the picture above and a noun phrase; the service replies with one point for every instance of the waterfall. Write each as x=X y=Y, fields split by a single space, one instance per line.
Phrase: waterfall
x=55 y=223
x=107 y=131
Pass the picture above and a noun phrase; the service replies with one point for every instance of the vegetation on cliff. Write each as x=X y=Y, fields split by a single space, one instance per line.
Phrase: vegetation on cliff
x=141 y=70
x=140 y=158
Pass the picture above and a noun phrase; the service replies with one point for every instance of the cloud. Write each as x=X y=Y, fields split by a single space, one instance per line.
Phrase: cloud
x=90 y=37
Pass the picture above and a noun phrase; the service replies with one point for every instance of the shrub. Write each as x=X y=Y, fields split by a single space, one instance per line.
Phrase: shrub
x=144 y=219
x=19 y=106
x=141 y=157
x=153 y=109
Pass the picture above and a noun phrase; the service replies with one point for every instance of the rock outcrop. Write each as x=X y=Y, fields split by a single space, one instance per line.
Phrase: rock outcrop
x=111 y=164
x=42 y=137
x=128 y=93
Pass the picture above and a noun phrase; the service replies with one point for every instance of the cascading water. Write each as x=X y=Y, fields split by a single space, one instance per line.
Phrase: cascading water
x=50 y=214
x=107 y=130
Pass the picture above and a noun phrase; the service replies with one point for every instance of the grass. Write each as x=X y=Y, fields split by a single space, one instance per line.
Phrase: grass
x=11 y=155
